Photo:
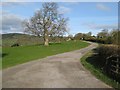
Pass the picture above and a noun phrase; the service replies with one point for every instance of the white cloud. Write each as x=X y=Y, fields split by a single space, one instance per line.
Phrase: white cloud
x=100 y=26
x=63 y=10
x=11 y=22
x=103 y=7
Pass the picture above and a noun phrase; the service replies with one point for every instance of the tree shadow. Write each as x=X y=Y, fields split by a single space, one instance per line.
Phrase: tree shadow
x=95 y=60
x=4 y=54
x=50 y=43
x=56 y=43
x=39 y=44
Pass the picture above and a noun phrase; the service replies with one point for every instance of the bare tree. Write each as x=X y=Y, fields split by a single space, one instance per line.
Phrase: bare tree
x=47 y=22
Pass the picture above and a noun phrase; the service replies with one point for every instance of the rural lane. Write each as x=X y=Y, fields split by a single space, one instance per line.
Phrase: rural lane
x=57 y=71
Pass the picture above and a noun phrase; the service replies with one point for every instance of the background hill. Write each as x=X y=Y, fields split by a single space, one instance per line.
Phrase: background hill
x=25 y=39
x=21 y=39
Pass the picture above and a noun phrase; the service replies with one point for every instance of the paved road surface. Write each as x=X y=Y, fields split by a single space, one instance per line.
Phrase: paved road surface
x=58 y=71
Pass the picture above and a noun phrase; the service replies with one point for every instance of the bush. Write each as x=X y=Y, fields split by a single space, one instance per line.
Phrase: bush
x=110 y=60
x=108 y=50
x=108 y=54
x=15 y=45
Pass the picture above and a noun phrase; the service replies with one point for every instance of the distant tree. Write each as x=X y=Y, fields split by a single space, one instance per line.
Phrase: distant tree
x=115 y=36
x=78 y=36
x=89 y=33
x=103 y=34
x=47 y=22
x=70 y=37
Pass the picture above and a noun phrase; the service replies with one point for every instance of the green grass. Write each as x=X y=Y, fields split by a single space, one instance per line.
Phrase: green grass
x=0 y=57
x=89 y=61
x=17 y=55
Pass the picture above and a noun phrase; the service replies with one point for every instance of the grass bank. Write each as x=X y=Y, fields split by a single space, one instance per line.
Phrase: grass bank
x=0 y=57
x=90 y=62
x=12 y=56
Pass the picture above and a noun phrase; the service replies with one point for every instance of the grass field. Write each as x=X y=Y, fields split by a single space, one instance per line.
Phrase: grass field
x=89 y=61
x=16 y=55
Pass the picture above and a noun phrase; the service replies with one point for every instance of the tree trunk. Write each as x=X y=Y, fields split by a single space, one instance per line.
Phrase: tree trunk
x=46 y=39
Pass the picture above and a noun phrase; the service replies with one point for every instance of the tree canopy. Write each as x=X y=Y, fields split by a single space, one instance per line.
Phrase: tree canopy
x=47 y=22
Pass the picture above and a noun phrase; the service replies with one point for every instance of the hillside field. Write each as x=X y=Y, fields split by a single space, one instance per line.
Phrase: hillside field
x=22 y=39
x=12 y=56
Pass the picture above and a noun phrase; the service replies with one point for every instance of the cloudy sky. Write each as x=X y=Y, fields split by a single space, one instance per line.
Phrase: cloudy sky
x=83 y=16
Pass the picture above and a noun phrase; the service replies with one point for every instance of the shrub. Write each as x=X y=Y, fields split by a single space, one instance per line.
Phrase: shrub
x=108 y=50
x=15 y=45
x=109 y=59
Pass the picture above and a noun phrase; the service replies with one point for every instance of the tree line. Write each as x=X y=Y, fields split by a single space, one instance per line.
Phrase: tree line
x=104 y=37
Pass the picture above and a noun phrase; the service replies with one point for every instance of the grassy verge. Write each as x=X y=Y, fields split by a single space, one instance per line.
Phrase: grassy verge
x=12 y=56
x=89 y=61
x=0 y=57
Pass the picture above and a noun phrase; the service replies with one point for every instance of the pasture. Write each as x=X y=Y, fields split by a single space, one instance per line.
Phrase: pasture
x=12 y=56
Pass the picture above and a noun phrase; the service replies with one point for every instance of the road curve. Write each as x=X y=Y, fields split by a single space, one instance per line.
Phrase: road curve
x=57 y=71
